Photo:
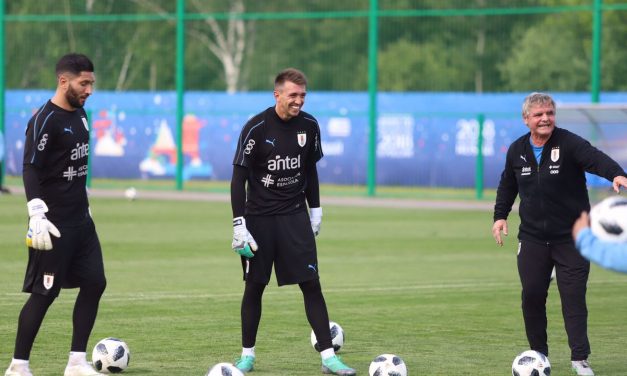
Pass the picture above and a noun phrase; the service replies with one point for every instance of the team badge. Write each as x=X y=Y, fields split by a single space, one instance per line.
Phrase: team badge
x=48 y=280
x=302 y=138
x=555 y=154
x=85 y=123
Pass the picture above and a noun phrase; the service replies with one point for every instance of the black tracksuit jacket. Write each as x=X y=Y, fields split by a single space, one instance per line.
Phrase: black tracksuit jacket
x=553 y=194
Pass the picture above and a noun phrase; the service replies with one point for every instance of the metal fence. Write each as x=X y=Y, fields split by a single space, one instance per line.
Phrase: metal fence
x=235 y=46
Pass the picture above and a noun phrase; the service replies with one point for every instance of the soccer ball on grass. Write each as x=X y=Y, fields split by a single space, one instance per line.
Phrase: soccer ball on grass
x=337 y=337
x=531 y=363
x=224 y=369
x=111 y=355
x=387 y=365
x=608 y=219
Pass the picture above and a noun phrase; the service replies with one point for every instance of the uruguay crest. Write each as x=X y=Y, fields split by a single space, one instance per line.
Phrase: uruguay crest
x=48 y=280
x=302 y=138
x=555 y=154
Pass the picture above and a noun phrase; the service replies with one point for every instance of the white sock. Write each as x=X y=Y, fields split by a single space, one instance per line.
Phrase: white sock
x=328 y=353
x=248 y=351
x=20 y=362
x=77 y=358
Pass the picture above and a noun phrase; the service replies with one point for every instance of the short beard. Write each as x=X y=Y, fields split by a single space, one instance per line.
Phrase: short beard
x=73 y=98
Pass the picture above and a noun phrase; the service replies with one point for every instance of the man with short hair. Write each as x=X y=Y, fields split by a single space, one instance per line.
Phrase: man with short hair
x=274 y=180
x=546 y=168
x=54 y=173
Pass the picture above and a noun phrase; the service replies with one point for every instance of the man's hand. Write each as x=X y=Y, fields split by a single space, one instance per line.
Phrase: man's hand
x=497 y=227
x=39 y=227
x=619 y=181
x=243 y=242
x=582 y=222
x=315 y=217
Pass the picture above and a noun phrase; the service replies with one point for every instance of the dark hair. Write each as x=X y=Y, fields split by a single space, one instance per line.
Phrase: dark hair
x=74 y=63
x=291 y=75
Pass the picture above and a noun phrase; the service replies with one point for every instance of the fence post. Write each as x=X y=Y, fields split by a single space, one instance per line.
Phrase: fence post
x=180 y=89
x=595 y=69
x=479 y=165
x=372 y=96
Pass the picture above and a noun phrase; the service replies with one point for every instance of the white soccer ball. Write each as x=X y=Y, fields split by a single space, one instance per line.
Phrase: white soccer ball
x=130 y=193
x=387 y=365
x=224 y=369
x=337 y=337
x=608 y=219
x=111 y=355
x=531 y=363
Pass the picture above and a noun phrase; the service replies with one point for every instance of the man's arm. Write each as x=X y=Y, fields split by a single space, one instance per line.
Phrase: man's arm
x=238 y=190
x=312 y=194
x=609 y=255
x=505 y=196
x=243 y=242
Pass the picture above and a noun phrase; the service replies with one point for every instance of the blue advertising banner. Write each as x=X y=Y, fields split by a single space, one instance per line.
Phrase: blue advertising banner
x=424 y=139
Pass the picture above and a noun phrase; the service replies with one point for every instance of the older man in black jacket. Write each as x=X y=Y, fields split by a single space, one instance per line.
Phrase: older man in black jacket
x=546 y=168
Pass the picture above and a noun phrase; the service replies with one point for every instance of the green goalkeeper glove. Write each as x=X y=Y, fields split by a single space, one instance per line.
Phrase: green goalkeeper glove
x=39 y=227
x=243 y=242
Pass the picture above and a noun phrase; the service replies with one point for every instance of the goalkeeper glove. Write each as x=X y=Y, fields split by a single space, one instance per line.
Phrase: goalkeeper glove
x=243 y=242
x=39 y=227
x=315 y=217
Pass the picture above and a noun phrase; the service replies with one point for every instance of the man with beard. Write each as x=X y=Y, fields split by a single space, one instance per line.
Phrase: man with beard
x=54 y=173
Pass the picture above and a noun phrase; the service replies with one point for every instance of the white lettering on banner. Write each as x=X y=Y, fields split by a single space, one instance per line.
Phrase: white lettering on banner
x=339 y=127
x=395 y=136
x=333 y=147
x=287 y=163
x=468 y=134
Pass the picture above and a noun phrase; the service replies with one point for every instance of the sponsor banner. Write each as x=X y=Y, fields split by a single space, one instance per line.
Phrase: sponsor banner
x=426 y=139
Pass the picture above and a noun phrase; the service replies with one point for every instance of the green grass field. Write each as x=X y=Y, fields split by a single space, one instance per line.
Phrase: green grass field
x=428 y=285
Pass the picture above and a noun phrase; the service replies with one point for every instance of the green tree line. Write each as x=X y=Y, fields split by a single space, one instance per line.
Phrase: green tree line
x=239 y=45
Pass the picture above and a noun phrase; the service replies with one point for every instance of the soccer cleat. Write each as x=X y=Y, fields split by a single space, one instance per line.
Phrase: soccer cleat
x=245 y=363
x=18 y=370
x=81 y=370
x=582 y=368
x=335 y=366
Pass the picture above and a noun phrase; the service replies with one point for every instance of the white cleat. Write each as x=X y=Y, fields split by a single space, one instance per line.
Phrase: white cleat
x=582 y=368
x=81 y=370
x=18 y=370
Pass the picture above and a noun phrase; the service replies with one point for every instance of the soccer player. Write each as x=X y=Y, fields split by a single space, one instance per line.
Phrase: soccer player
x=546 y=169
x=610 y=255
x=274 y=180
x=54 y=174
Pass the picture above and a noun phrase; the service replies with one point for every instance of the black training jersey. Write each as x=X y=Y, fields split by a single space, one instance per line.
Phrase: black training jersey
x=277 y=154
x=56 y=152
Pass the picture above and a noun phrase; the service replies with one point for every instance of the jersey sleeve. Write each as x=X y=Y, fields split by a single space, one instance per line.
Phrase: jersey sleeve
x=594 y=160
x=507 y=190
x=316 y=153
x=608 y=255
x=246 y=143
x=40 y=134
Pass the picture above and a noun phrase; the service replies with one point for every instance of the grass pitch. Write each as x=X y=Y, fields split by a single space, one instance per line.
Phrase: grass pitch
x=428 y=285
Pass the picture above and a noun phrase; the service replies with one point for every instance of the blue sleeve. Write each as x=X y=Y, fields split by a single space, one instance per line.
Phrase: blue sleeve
x=609 y=255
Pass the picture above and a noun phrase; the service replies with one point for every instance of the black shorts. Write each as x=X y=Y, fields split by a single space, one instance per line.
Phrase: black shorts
x=74 y=261
x=286 y=241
